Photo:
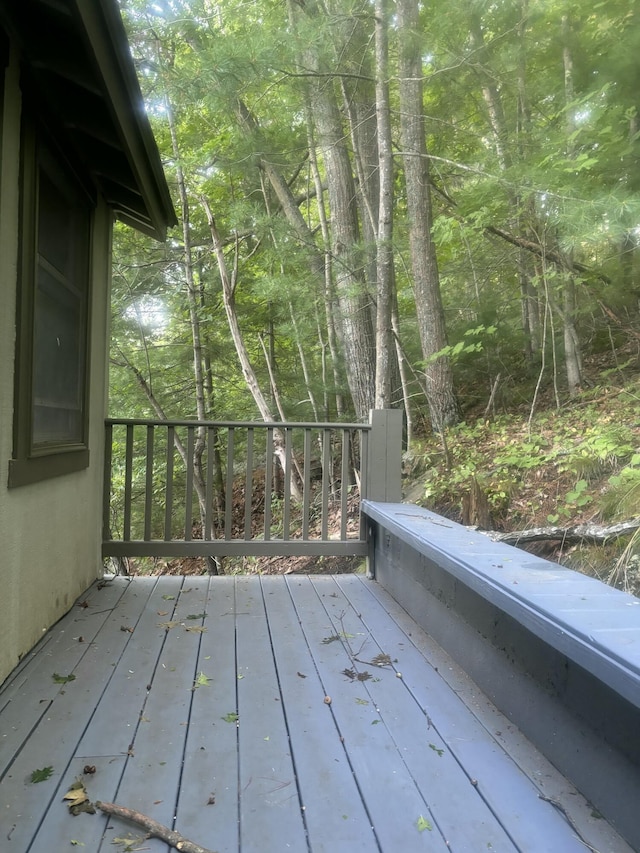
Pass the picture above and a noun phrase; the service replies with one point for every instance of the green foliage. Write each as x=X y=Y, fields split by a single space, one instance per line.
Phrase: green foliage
x=563 y=463
x=622 y=498
x=560 y=177
x=472 y=344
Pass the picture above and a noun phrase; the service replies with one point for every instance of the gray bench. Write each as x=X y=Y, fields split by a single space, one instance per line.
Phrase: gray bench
x=556 y=651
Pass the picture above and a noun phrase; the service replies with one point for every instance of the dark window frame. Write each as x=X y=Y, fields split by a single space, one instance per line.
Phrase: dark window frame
x=34 y=461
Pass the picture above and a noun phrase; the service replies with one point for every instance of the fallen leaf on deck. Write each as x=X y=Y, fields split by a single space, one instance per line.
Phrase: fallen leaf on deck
x=75 y=796
x=356 y=676
x=169 y=597
x=196 y=629
x=202 y=680
x=301 y=675
x=126 y=628
x=130 y=844
x=77 y=800
x=168 y=625
x=197 y=616
x=231 y=717
x=41 y=775
x=423 y=824
x=162 y=612
x=436 y=749
x=382 y=660
x=362 y=701
x=63 y=679
x=330 y=639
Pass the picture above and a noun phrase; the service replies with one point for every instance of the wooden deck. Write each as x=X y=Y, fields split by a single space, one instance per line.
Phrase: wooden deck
x=204 y=703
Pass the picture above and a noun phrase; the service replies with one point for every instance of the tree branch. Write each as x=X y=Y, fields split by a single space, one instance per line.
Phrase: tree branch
x=153 y=828
x=552 y=255
x=594 y=533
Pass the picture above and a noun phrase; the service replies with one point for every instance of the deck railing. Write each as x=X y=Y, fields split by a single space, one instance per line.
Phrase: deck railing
x=209 y=489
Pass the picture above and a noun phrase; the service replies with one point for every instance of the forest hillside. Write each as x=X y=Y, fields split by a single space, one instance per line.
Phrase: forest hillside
x=563 y=479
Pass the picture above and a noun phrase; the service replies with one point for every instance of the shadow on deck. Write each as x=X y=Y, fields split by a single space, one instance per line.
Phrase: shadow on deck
x=270 y=714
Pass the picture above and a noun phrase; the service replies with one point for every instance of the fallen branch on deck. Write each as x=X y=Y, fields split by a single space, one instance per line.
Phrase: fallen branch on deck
x=594 y=533
x=153 y=828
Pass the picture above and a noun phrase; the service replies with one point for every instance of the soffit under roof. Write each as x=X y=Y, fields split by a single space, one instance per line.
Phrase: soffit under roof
x=79 y=60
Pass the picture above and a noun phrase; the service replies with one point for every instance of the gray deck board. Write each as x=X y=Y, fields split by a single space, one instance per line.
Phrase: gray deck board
x=209 y=793
x=530 y=821
x=389 y=792
x=447 y=787
x=294 y=772
x=336 y=818
x=513 y=769
x=270 y=813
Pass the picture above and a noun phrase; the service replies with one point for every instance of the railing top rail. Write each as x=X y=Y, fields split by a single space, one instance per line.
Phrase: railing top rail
x=235 y=424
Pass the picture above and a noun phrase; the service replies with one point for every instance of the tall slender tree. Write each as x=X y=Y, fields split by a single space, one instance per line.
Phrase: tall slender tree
x=443 y=405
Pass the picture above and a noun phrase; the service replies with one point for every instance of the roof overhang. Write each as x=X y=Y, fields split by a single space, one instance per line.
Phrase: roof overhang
x=79 y=60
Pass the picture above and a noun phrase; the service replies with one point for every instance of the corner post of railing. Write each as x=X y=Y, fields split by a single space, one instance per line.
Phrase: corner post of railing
x=106 y=482
x=384 y=468
x=384 y=465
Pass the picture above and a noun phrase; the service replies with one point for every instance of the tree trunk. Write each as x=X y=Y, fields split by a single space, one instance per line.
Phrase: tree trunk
x=363 y=90
x=357 y=335
x=572 y=355
x=229 y=282
x=329 y=301
x=384 y=237
x=443 y=406
x=194 y=318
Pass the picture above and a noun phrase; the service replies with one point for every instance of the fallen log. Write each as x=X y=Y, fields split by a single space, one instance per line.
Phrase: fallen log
x=594 y=533
x=153 y=828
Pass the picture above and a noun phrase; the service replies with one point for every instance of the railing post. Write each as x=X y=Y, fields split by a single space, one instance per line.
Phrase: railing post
x=384 y=465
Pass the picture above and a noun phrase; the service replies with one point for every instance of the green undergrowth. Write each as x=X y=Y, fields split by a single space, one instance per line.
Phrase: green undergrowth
x=576 y=464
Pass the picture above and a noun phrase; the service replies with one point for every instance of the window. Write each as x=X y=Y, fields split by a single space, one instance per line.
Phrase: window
x=50 y=423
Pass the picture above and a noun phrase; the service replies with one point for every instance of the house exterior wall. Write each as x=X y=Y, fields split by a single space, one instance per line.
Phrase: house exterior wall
x=50 y=532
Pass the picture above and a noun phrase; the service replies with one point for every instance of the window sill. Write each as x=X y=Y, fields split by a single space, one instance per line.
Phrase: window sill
x=25 y=472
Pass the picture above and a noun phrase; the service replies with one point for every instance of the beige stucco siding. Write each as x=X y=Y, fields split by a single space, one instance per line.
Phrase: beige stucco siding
x=50 y=532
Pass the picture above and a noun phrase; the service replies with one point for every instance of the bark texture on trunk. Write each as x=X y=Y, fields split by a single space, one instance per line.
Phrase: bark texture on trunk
x=443 y=406
x=355 y=322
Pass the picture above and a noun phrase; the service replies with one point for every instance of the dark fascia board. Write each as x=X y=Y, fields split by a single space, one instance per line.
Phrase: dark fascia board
x=109 y=46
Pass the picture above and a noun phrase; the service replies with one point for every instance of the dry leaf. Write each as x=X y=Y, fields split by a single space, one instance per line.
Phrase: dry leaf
x=76 y=797
x=77 y=800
